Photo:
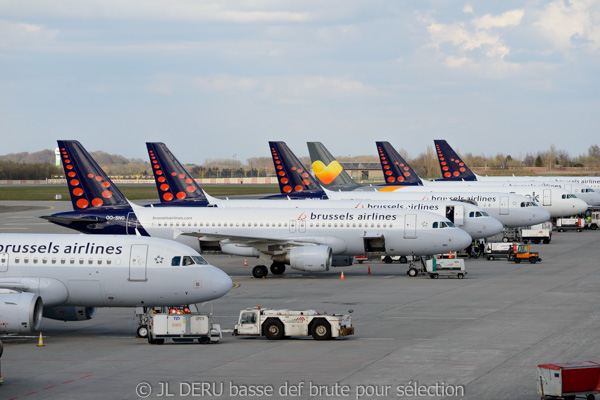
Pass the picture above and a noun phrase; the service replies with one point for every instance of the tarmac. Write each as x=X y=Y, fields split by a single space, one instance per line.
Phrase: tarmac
x=481 y=337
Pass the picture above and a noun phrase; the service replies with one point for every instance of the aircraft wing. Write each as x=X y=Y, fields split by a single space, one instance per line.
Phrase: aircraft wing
x=261 y=243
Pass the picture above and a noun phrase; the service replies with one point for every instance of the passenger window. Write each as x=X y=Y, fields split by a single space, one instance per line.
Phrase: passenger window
x=35 y=260
x=54 y=261
x=63 y=261
x=176 y=261
x=45 y=260
x=26 y=260
x=90 y=261
x=72 y=261
x=81 y=261
x=99 y=261
x=17 y=260
x=108 y=261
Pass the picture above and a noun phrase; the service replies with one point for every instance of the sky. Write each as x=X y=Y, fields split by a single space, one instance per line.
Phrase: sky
x=219 y=79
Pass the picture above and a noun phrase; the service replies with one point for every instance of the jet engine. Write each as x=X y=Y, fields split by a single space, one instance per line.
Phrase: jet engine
x=307 y=258
x=20 y=312
x=70 y=313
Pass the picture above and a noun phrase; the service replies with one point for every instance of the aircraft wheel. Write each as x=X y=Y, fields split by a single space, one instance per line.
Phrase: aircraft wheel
x=142 y=331
x=274 y=329
x=260 y=271
x=413 y=272
x=504 y=239
x=277 y=268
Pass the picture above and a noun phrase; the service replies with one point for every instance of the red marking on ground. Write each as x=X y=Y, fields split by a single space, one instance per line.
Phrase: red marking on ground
x=467 y=365
x=50 y=387
x=28 y=394
x=87 y=376
x=71 y=381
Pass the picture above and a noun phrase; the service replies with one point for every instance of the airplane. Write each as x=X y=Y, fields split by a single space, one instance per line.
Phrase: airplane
x=305 y=239
x=512 y=210
x=66 y=276
x=176 y=181
x=455 y=169
x=556 y=201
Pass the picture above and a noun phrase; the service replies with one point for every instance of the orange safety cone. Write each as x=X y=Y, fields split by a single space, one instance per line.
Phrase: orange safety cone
x=450 y=256
x=245 y=262
x=342 y=277
x=41 y=341
x=369 y=271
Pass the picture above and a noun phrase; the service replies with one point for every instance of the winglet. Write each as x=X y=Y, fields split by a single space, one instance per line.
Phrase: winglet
x=89 y=186
x=395 y=169
x=328 y=171
x=174 y=183
x=453 y=168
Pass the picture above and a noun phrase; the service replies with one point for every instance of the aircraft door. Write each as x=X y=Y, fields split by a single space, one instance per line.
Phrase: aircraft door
x=410 y=226
x=137 y=262
x=547 y=197
x=132 y=223
x=292 y=226
x=503 y=205
x=459 y=216
x=450 y=213
x=3 y=262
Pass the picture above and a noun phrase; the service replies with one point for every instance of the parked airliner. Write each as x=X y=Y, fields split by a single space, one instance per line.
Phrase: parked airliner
x=510 y=209
x=304 y=239
x=176 y=179
x=66 y=276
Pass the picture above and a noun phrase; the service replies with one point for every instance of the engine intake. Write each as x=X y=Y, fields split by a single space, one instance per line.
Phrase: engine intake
x=20 y=312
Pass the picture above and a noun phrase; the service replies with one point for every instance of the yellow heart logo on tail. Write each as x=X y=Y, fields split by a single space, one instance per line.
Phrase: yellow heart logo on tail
x=327 y=174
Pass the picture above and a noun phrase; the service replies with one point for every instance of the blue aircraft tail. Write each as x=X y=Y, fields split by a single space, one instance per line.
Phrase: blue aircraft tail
x=89 y=186
x=453 y=168
x=295 y=181
x=328 y=171
x=174 y=183
x=395 y=169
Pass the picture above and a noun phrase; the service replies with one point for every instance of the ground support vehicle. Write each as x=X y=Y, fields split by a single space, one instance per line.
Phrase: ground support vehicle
x=593 y=220
x=278 y=324
x=523 y=252
x=540 y=233
x=400 y=259
x=497 y=251
x=568 y=380
x=451 y=268
x=170 y=324
x=566 y=224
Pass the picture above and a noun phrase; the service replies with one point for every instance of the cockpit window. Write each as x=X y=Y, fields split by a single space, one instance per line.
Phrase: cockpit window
x=199 y=260
x=442 y=224
x=187 y=260
x=449 y=224
x=176 y=261
x=568 y=196
x=528 y=204
x=434 y=225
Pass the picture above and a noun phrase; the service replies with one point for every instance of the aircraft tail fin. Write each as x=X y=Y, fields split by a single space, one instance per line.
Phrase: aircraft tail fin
x=396 y=170
x=453 y=168
x=293 y=177
x=328 y=171
x=89 y=186
x=174 y=183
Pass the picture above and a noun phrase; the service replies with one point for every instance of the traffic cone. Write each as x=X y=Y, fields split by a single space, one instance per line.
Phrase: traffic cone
x=245 y=262
x=41 y=341
x=342 y=277
x=450 y=256
x=369 y=271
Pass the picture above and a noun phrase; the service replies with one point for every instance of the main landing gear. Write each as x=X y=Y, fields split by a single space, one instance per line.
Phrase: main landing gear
x=261 y=271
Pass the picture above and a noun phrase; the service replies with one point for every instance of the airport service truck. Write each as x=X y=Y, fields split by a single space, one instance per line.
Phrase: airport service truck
x=436 y=267
x=498 y=250
x=540 y=233
x=564 y=224
x=278 y=324
x=174 y=324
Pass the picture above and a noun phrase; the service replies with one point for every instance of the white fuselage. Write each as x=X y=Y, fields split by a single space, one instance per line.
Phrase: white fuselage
x=271 y=230
x=512 y=210
x=558 y=202
x=106 y=271
x=466 y=216
x=585 y=188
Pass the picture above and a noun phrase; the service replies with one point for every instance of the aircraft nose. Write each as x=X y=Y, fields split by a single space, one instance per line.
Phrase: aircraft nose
x=459 y=240
x=221 y=283
x=493 y=227
x=579 y=206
